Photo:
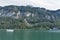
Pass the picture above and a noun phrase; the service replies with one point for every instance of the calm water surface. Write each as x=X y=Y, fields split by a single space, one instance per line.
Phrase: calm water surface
x=29 y=35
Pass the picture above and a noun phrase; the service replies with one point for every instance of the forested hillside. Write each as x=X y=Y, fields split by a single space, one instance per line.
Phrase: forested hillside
x=29 y=17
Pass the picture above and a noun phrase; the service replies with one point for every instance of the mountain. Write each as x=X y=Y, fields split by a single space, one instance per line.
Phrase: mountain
x=28 y=17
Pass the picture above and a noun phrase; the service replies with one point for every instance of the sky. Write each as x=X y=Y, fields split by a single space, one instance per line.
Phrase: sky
x=48 y=4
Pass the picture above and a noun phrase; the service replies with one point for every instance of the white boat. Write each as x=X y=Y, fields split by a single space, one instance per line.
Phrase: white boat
x=10 y=30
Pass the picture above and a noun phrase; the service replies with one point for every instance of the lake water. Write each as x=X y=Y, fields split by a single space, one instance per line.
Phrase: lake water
x=28 y=34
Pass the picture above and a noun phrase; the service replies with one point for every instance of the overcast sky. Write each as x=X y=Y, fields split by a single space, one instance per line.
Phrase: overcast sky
x=48 y=4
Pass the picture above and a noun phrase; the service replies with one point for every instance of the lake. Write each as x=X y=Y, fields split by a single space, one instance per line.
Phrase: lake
x=28 y=34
